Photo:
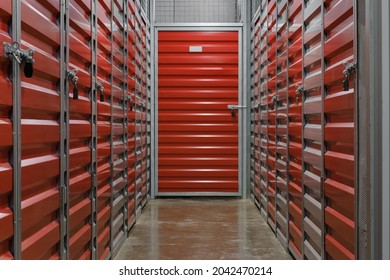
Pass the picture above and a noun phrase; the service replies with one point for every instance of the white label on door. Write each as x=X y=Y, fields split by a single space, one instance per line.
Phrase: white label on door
x=196 y=49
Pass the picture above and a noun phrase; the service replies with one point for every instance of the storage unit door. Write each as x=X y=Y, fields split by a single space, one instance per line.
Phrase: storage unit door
x=80 y=131
x=197 y=134
x=339 y=110
x=40 y=109
x=271 y=99
x=104 y=127
x=295 y=129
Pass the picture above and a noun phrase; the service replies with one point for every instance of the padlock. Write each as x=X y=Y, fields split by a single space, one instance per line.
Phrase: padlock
x=75 y=92
x=28 y=69
x=346 y=83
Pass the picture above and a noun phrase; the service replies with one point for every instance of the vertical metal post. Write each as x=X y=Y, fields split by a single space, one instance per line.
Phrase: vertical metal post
x=16 y=127
x=111 y=136
x=375 y=62
x=302 y=136
x=93 y=144
x=153 y=113
x=363 y=152
x=356 y=136
x=287 y=135
x=323 y=123
x=125 y=112
x=246 y=92
x=64 y=124
x=385 y=9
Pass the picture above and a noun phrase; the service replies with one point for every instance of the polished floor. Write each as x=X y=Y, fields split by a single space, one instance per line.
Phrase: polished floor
x=201 y=229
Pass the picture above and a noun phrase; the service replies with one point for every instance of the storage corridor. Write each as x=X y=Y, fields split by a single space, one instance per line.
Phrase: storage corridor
x=201 y=229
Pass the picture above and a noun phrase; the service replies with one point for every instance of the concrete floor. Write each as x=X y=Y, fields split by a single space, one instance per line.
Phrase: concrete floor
x=201 y=229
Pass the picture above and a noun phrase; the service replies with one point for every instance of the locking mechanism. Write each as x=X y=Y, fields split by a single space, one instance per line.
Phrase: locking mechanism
x=14 y=52
x=299 y=91
x=100 y=88
x=274 y=101
x=72 y=76
x=349 y=71
x=234 y=108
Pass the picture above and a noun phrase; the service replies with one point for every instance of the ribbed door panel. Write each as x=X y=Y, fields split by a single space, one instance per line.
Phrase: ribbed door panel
x=40 y=132
x=263 y=108
x=80 y=181
x=271 y=120
x=131 y=115
x=282 y=120
x=295 y=129
x=339 y=107
x=197 y=135
x=6 y=141
x=103 y=10
x=119 y=146
x=255 y=113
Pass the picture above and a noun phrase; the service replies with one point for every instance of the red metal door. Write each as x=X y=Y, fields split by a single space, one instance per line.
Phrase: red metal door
x=255 y=114
x=6 y=140
x=131 y=116
x=197 y=135
x=264 y=110
x=104 y=52
x=80 y=131
x=339 y=109
x=295 y=129
x=271 y=99
x=312 y=110
x=40 y=132
x=118 y=137
x=281 y=105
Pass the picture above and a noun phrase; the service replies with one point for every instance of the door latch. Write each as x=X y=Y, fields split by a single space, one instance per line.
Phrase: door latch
x=100 y=88
x=14 y=52
x=72 y=76
x=234 y=108
x=274 y=101
x=349 y=71
x=299 y=91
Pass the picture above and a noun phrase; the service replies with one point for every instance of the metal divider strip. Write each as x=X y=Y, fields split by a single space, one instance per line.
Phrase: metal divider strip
x=111 y=136
x=93 y=98
x=16 y=126
x=323 y=122
x=64 y=124
x=302 y=138
x=125 y=112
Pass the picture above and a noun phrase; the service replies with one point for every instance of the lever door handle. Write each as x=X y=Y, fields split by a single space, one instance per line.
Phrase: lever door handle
x=234 y=108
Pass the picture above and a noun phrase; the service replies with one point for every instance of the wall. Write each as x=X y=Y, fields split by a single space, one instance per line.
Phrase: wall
x=303 y=125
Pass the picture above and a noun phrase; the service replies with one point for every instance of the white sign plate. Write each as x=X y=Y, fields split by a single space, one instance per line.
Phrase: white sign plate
x=196 y=49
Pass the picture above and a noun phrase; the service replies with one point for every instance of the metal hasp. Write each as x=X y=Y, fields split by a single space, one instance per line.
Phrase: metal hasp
x=350 y=69
x=234 y=108
x=13 y=51
x=72 y=76
x=299 y=91
x=100 y=88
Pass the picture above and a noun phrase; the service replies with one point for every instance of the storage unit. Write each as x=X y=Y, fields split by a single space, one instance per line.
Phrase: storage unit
x=73 y=181
x=106 y=104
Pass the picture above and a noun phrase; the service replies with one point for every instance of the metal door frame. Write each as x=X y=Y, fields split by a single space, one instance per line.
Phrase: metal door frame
x=242 y=114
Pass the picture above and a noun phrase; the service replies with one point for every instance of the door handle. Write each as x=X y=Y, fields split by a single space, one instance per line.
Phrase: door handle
x=72 y=76
x=234 y=108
